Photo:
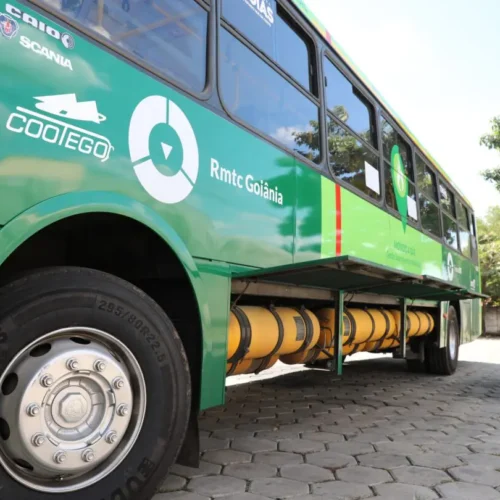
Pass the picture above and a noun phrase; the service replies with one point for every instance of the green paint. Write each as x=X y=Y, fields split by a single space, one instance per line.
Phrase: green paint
x=227 y=220
x=328 y=219
x=400 y=183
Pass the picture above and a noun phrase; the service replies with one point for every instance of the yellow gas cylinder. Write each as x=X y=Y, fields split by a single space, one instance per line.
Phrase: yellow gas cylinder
x=417 y=322
x=247 y=366
x=256 y=333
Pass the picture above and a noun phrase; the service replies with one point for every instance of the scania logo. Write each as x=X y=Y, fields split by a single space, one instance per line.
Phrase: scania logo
x=66 y=39
x=150 y=112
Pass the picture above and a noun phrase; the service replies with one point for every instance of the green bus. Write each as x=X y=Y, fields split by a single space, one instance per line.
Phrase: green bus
x=191 y=189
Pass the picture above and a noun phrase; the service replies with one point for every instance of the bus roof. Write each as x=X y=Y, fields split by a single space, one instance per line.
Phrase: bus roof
x=309 y=14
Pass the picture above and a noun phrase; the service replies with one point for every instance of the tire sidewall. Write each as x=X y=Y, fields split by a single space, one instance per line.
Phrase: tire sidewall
x=54 y=300
x=453 y=329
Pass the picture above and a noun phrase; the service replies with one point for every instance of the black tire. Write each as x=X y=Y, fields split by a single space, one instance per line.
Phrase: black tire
x=444 y=361
x=51 y=299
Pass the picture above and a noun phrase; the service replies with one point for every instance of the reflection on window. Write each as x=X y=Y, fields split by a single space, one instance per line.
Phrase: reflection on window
x=391 y=138
x=462 y=215
x=345 y=102
x=292 y=53
x=259 y=96
x=447 y=199
x=352 y=162
x=450 y=232
x=426 y=180
x=390 y=197
x=257 y=26
x=429 y=215
x=271 y=32
x=465 y=243
x=169 y=35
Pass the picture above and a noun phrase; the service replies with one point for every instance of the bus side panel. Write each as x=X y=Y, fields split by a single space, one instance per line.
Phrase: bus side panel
x=93 y=122
x=215 y=319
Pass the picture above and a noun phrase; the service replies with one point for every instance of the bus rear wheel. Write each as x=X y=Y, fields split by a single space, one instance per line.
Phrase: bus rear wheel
x=94 y=388
x=444 y=360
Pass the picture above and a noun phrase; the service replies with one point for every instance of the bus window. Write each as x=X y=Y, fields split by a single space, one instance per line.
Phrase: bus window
x=271 y=31
x=450 y=231
x=392 y=142
x=447 y=199
x=346 y=103
x=391 y=138
x=463 y=229
x=353 y=162
x=261 y=97
x=462 y=215
x=390 y=195
x=168 y=35
x=427 y=189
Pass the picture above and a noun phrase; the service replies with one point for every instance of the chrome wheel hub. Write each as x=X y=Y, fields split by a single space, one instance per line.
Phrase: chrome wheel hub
x=72 y=406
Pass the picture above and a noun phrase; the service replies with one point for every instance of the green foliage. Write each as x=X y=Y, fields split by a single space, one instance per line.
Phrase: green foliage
x=489 y=253
x=492 y=141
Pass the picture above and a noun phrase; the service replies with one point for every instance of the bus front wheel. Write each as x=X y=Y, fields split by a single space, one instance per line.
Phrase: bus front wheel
x=94 y=388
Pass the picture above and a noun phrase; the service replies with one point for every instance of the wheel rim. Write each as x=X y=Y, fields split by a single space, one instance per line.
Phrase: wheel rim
x=453 y=340
x=72 y=406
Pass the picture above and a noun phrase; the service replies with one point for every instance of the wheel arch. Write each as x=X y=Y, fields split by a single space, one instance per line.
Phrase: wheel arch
x=19 y=236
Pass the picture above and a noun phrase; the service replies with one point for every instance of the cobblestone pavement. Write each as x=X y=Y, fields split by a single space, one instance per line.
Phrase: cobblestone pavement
x=379 y=432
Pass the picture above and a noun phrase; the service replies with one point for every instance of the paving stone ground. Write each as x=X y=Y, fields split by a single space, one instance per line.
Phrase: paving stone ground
x=379 y=432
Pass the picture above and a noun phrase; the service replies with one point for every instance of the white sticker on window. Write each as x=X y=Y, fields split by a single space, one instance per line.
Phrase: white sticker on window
x=264 y=9
x=412 y=208
x=372 y=178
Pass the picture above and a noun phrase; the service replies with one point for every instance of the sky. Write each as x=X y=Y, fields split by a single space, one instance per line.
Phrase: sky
x=437 y=64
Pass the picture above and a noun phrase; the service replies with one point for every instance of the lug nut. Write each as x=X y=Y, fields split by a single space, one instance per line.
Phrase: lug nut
x=46 y=381
x=88 y=455
x=72 y=364
x=122 y=410
x=111 y=437
x=38 y=439
x=60 y=457
x=32 y=410
x=99 y=365
x=118 y=383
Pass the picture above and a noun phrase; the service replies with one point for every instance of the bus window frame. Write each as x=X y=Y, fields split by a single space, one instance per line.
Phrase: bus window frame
x=418 y=153
x=103 y=43
x=328 y=53
x=317 y=100
x=384 y=115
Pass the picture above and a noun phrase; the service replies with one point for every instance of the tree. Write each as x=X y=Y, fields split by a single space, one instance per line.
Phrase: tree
x=492 y=141
x=489 y=253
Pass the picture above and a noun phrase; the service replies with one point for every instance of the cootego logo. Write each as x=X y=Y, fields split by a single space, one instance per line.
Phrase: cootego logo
x=61 y=133
x=66 y=39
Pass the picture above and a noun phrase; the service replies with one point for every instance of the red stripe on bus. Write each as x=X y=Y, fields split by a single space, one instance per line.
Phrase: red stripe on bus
x=338 y=211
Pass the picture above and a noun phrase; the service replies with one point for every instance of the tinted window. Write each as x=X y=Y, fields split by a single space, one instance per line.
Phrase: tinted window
x=390 y=139
x=429 y=216
x=271 y=31
x=292 y=53
x=390 y=195
x=447 y=199
x=345 y=102
x=450 y=232
x=473 y=230
x=465 y=242
x=462 y=215
x=258 y=95
x=353 y=162
x=426 y=180
x=169 y=35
